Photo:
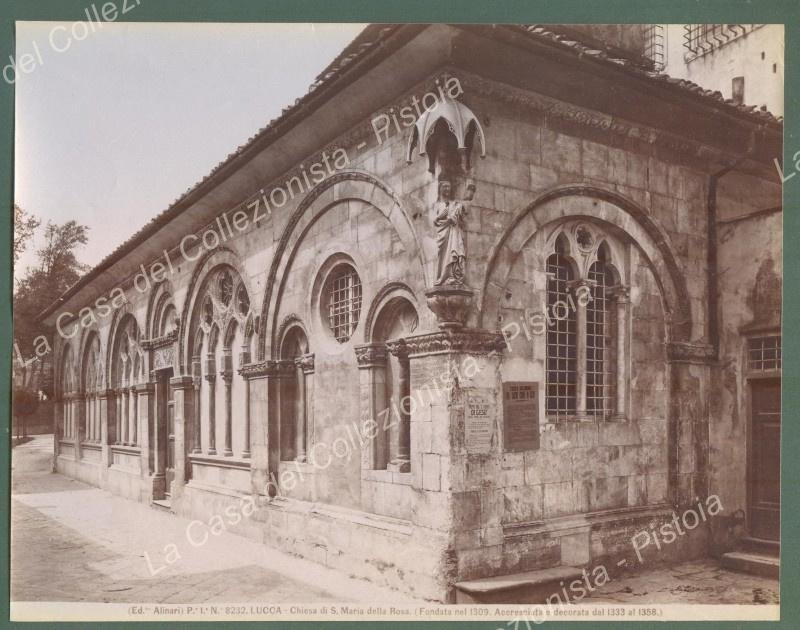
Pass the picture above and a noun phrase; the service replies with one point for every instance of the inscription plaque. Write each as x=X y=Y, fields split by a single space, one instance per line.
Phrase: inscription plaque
x=478 y=422
x=521 y=415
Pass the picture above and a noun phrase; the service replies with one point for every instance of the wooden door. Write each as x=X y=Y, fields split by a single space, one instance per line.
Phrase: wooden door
x=765 y=459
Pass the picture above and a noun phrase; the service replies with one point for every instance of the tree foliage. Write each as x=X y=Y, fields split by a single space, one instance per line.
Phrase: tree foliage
x=58 y=269
x=25 y=225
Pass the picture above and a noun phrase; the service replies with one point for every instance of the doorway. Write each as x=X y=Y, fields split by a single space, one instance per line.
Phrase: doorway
x=165 y=430
x=764 y=461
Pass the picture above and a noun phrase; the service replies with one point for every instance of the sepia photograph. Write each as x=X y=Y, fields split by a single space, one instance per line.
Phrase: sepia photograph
x=409 y=322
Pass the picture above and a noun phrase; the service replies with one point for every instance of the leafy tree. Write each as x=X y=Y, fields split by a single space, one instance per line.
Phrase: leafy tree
x=58 y=269
x=25 y=225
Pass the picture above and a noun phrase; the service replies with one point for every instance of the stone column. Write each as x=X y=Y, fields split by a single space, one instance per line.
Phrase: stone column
x=580 y=342
x=401 y=459
x=79 y=405
x=58 y=421
x=211 y=377
x=244 y=359
x=371 y=359
x=135 y=416
x=304 y=367
x=183 y=398
x=144 y=405
x=106 y=429
x=261 y=418
x=622 y=295
x=118 y=416
x=227 y=379
x=196 y=416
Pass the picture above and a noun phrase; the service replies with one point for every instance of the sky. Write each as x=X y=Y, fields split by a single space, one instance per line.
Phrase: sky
x=113 y=125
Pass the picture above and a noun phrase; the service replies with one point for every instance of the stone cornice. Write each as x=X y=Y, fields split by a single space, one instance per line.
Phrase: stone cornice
x=466 y=340
x=160 y=342
x=687 y=352
x=585 y=117
x=271 y=369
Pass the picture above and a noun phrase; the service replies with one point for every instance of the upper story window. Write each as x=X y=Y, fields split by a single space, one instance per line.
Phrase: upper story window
x=343 y=299
x=764 y=353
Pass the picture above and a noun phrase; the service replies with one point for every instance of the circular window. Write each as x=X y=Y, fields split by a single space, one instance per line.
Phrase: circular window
x=342 y=301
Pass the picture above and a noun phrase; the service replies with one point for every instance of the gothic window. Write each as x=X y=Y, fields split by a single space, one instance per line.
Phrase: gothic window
x=225 y=287
x=242 y=301
x=585 y=319
x=343 y=297
x=561 y=336
x=218 y=327
x=599 y=339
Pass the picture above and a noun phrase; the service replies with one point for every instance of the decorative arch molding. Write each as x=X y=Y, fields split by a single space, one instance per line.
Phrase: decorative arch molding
x=604 y=206
x=386 y=294
x=163 y=290
x=290 y=321
x=121 y=314
x=341 y=187
x=88 y=338
x=66 y=361
x=205 y=265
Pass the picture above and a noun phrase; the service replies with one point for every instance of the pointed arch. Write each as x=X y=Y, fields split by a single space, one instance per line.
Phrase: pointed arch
x=606 y=207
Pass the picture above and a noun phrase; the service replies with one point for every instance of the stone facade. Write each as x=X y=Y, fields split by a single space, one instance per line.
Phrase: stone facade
x=303 y=360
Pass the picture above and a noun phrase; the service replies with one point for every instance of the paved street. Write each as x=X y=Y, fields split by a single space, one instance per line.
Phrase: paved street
x=73 y=542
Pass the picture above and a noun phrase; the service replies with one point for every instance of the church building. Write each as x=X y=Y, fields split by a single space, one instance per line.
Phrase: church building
x=486 y=307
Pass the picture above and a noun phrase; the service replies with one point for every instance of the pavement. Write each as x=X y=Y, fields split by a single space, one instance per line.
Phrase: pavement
x=71 y=542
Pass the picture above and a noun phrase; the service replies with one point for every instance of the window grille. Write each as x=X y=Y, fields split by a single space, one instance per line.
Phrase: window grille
x=764 y=353
x=561 y=339
x=700 y=39
x=344 y=302
x=599 y=343
x=655 y=45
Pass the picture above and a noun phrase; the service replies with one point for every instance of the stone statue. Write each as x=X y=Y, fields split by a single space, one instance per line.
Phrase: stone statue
x=449 y=216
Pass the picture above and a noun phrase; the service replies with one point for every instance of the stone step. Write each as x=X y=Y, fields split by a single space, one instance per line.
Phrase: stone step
x=761 y=546
x=530 y=587
x=755 y=563
x=164 y=505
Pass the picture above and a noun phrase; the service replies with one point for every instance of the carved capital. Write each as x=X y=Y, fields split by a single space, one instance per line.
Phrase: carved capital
x=305 y=362
x=182 y=382
x=450 y=304
x=621 y=293
x=398 y=348
x=687 y=352
x=371 y=355
x=469 y=341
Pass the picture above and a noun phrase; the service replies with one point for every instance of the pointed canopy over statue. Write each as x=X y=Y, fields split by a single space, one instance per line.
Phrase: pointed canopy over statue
x=460 y=120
